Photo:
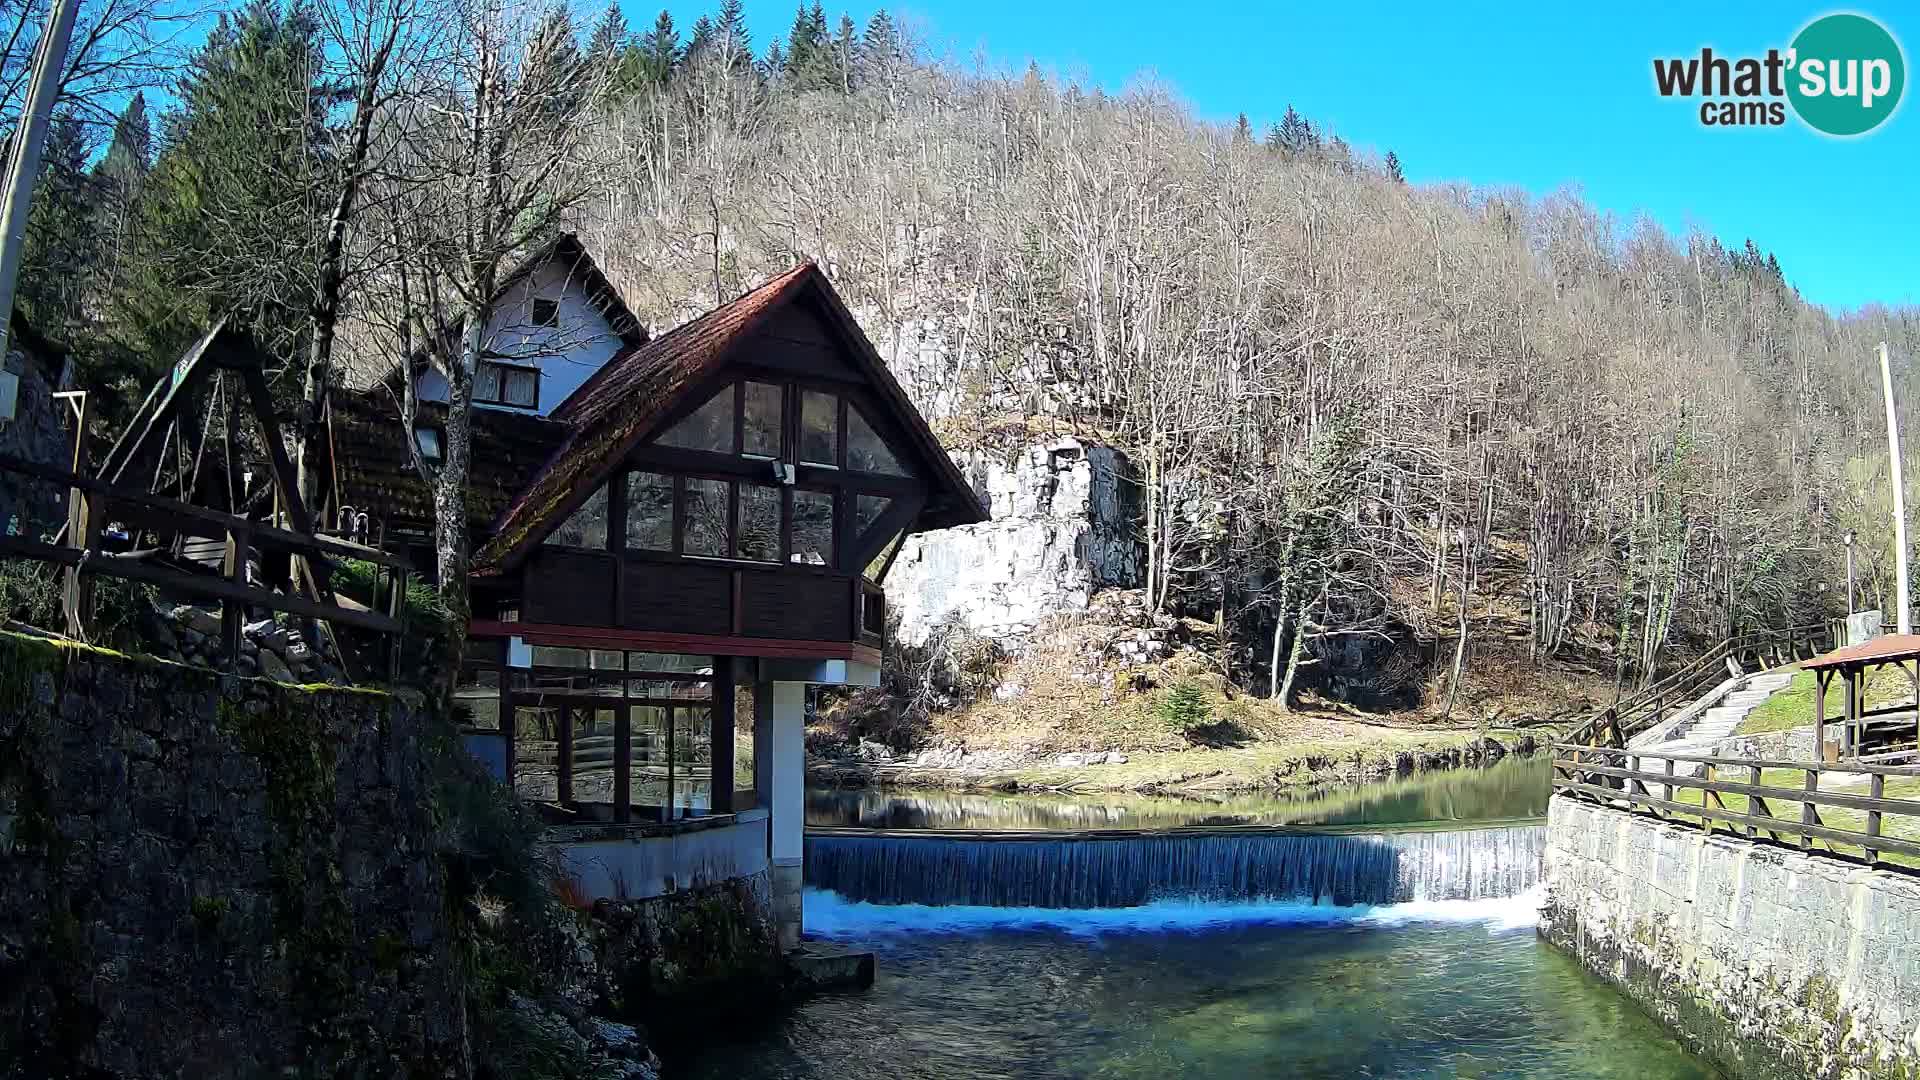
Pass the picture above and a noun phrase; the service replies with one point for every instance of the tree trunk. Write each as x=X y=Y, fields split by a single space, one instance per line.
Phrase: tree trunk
x=1460 y=642
x=452 y=556
x=1294 y=654
x=1273 y=661
x=330 y=279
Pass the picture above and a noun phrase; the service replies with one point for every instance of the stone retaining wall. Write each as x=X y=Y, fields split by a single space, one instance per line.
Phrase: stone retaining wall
x=1768 y=962
x=216 y=877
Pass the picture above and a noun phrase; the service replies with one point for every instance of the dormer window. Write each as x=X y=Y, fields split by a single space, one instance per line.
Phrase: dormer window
x=432 y=443
x=546 y=312
x=506 y=384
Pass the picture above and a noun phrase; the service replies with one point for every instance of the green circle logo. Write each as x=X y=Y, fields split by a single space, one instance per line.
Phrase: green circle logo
x=1847 y=74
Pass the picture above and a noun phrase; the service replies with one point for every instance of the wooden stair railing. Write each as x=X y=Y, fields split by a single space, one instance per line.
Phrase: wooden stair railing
x=1760 y=649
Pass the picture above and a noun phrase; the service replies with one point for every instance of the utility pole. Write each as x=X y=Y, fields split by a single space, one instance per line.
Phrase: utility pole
x=50 y=60
x=1851 y=607
x=1899 y=498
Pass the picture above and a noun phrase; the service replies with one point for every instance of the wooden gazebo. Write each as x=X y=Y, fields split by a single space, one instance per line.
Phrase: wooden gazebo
x=1863 y=728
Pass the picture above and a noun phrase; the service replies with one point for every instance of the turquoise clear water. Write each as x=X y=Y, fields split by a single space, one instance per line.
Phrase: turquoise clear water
x=1446 y=989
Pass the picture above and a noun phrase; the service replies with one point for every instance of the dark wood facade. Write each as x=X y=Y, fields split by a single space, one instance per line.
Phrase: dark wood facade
x=754 y=514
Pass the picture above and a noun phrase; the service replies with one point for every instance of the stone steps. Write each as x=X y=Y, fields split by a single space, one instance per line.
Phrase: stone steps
x=1717 y=723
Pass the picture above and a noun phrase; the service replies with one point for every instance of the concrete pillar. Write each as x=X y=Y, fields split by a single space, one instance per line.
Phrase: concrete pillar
x=787 y=709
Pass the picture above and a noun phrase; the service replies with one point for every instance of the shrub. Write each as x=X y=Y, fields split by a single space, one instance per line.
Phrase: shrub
x=1185 y=708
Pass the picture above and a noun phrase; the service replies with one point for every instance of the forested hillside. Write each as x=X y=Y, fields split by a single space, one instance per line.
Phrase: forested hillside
x=1358 y=406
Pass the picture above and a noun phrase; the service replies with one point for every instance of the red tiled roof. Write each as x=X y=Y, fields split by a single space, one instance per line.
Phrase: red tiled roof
x=1880 y=650
x=621 y=402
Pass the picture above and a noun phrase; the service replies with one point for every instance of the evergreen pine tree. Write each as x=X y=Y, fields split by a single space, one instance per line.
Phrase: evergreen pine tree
x=61 y=246
x=1296 y=135
x=702 y=37
x=227 y=204
x=1341 y=154
x=1393 y=168
x=610 y=36
x=879 y=47
x=660 y=50
x=1242 y=131
x=118 y=179
x=798 y=61
x=732 y=26
x=1275 y=140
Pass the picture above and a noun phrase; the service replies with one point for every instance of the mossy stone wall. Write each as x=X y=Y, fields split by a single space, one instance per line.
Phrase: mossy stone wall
x=216 y=877
x=1768 y=962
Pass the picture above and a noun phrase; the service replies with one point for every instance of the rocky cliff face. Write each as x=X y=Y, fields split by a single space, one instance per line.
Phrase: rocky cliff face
x=1063 y=528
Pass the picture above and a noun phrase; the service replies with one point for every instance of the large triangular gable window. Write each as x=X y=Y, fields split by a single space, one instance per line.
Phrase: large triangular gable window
x=867 y=451
x=809 y=480
x=710 y=427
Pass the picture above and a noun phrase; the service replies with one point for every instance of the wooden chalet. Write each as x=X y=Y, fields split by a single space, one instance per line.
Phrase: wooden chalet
x=674 y=536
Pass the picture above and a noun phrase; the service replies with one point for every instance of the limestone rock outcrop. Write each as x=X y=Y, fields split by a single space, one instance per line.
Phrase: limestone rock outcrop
x=1063 y=527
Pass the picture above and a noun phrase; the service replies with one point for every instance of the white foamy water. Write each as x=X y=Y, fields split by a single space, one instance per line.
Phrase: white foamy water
x=829 y=915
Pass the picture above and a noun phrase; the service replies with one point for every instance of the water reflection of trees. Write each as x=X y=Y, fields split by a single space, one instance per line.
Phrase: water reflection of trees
x=1509 y=789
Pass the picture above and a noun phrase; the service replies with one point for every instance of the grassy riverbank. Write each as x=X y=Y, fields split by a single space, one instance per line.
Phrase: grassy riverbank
x=1792 y=705
x=1317 y=750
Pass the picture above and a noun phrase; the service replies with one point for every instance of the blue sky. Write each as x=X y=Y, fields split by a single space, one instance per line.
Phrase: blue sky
x=1537 y=96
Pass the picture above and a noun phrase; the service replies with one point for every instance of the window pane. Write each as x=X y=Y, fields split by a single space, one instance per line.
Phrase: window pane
x=692 y=761
x=486 y=383
x=707 y=532
x=709 y=428
x=759 y=523
x=647 y=786
x=593 y=733
x=867 y=510
x=649 y=511
x=522 y=387
x=762 y=419
x=429 y=442
x=587 y=527
x=813 y=528
x=819 y=428
x=867 y=451
x=546 y=312
x=668 y=662
x=536 y=749
x=558 y=656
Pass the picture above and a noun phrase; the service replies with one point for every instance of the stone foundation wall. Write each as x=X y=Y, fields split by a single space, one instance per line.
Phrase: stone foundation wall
x=216 y=877
x=1768 y=962
x=673 y=962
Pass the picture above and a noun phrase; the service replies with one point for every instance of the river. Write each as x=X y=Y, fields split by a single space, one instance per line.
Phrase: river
x=1272 y=946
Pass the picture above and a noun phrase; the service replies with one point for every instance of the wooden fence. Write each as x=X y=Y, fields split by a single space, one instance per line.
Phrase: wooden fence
x=1841 y=809
x=96 y=503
